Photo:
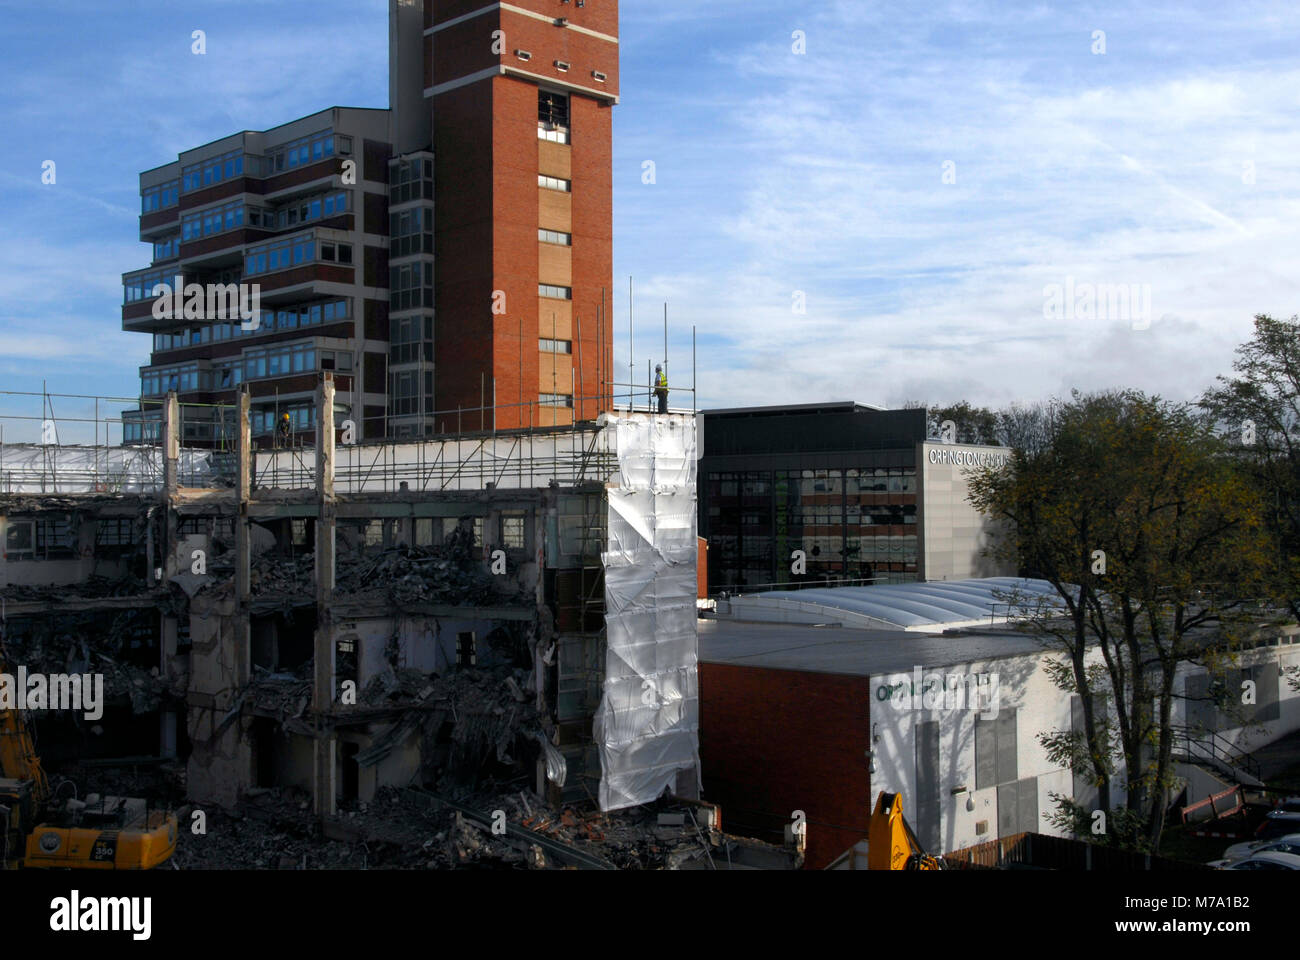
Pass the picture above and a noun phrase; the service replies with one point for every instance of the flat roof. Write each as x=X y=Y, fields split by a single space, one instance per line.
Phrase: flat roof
x=850 y=652
x=929 y=606
x=831 y=406
x=245 y=132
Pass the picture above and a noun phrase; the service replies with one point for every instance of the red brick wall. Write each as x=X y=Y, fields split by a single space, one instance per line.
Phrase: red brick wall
x=548 y=43
x=376 y=319
x=464 y=49
x=593 y=239
x=462 y=138
x=375 y=156
x=599 y=15
x=292 y=178
x=449 y=9
x=158 y=218
x=218 y=191
x=223 y=241
x=514 y=248
x=776 y=741
x=376 y=214
x=485 y=144
x=315 y=273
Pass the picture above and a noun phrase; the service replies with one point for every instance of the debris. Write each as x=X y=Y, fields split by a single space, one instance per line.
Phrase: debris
x=192 y=583
x=517 y=693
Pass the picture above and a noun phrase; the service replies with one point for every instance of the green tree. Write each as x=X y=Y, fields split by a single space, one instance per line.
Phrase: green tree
x=1154 y=541
x=1258 y=414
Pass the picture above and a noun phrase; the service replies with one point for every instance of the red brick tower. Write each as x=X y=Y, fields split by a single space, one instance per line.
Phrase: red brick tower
x=521 y=95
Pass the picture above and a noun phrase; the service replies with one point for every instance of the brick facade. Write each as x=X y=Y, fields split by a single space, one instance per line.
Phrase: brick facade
x=776 y=741
x=487 y=159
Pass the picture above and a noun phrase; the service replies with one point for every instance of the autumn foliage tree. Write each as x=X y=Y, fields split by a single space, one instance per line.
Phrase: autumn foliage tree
x=1154 y=540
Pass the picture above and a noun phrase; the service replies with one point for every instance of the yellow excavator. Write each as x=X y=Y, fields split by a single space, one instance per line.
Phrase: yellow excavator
x=891 y=844
x=39 y=830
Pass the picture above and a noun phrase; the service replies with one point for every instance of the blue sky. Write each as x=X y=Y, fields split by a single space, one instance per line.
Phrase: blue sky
x=1171 y=160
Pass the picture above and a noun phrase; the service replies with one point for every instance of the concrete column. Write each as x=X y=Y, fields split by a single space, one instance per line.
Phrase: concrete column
x=171 y=443
x=323 y=693
x=171 y=481
x=243 y=540
x=166 y=644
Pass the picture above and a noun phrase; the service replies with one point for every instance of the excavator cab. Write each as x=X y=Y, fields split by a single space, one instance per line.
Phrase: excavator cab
x=109 y=833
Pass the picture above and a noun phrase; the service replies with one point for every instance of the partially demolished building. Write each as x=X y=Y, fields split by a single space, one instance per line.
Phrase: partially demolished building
x=349 y=617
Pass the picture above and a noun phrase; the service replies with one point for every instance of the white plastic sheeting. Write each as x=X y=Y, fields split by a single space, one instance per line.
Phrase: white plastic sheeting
x=38 y=468
x=647 y=725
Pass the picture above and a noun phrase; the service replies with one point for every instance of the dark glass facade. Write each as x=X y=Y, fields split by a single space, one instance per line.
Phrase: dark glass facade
x=838 y=482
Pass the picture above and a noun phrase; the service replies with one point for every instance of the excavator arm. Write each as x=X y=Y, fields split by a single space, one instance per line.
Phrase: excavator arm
x=891 y=844
x=18 y=760
x=118 y=834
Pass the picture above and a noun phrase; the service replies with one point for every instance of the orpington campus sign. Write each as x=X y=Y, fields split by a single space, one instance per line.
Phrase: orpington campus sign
x=958 y=457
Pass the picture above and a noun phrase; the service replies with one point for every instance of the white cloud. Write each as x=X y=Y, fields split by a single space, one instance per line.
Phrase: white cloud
x=830 y=183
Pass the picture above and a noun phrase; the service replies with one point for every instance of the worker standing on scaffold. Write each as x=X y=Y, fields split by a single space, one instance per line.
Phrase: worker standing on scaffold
x=661 y=388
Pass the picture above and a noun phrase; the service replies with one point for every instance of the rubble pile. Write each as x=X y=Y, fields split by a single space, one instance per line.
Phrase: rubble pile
x=412 y=830
x=486 y=712
x=74 y=646
x=666 y=835
x=275 y=829
x=90 y=588
x=403 y=575
x=407 y=575
x=285 y=694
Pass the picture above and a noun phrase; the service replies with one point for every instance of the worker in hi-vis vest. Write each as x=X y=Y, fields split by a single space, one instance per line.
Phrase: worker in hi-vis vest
x=661 y=388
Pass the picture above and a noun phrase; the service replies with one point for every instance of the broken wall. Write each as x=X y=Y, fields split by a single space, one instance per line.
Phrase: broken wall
x=647 y=726
x=221 y=762
x=56 y=542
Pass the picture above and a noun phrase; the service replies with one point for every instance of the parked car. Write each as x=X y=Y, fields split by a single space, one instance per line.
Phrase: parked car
x=1267 y=860
x=1277 y=824
x=1290 y=843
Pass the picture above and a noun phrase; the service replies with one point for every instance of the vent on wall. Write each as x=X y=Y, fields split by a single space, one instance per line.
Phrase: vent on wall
x=597 y=75
x=562 y=66
x=523 y=55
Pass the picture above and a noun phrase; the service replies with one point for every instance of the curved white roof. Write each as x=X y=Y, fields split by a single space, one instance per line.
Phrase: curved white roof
x=909 y=606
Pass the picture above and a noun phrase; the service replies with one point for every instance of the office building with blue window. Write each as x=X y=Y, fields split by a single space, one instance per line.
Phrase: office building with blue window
x=838 y=491
x=300 y=211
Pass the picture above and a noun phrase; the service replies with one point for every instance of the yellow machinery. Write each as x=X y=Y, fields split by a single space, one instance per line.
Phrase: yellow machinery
x=891 y=844
x=115 y=833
